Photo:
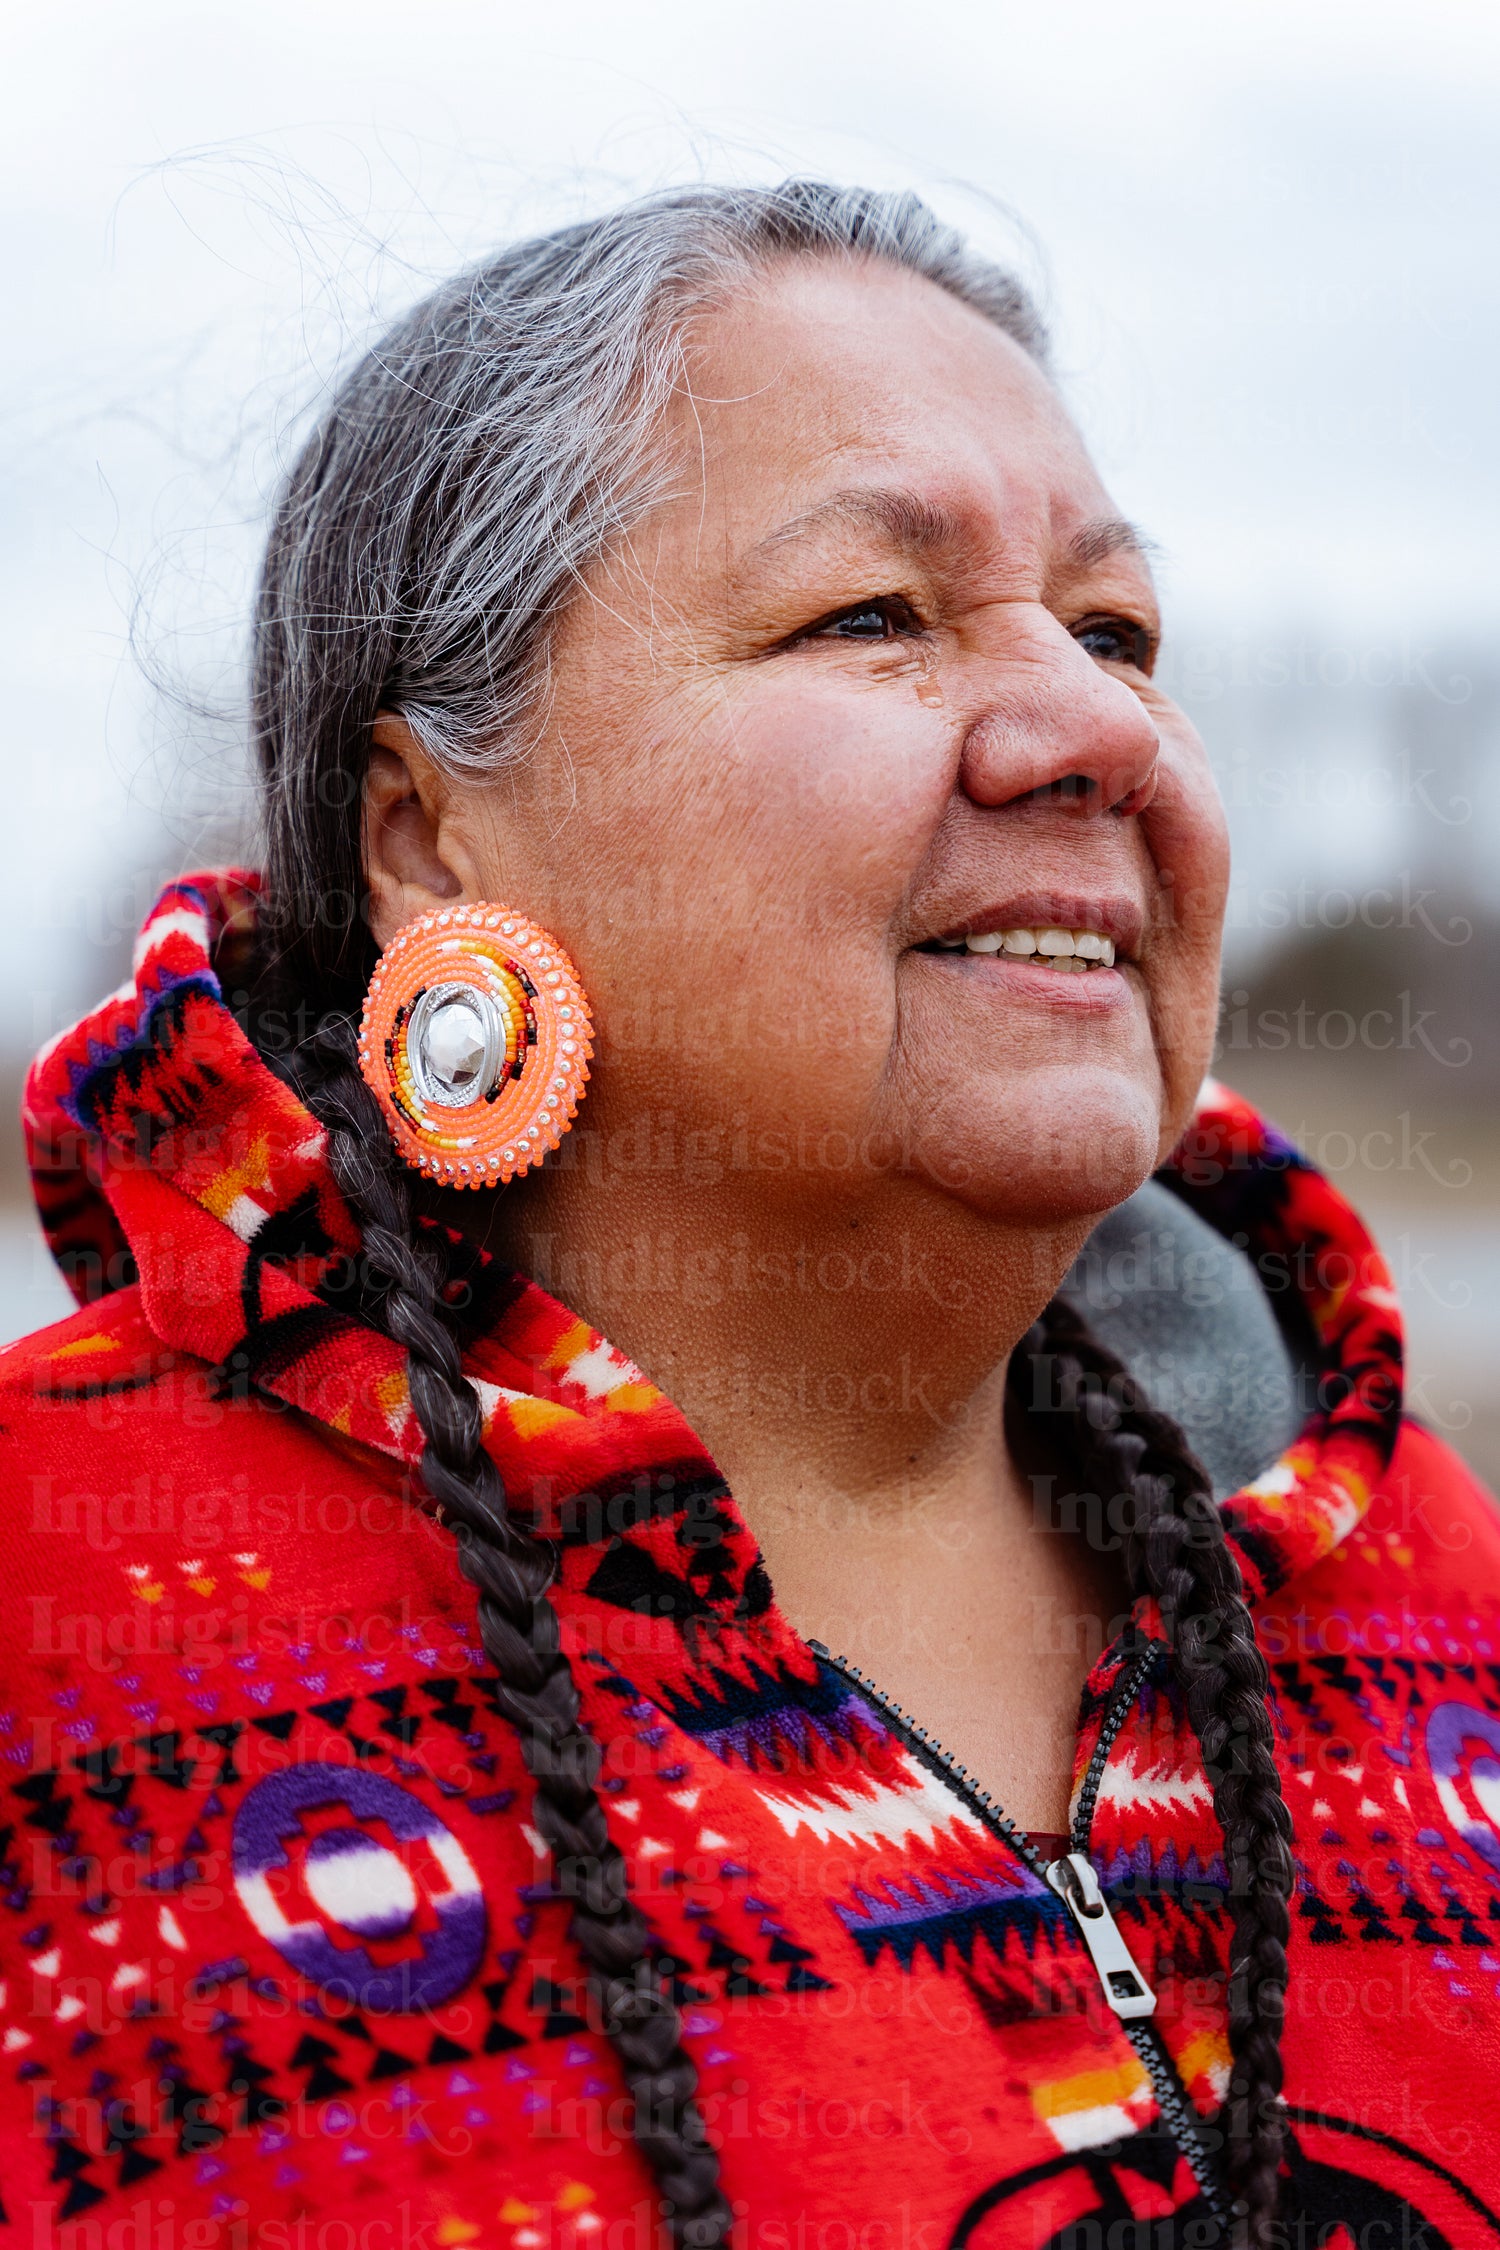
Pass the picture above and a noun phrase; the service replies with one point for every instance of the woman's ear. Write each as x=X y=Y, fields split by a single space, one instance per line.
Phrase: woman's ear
x=408 y=834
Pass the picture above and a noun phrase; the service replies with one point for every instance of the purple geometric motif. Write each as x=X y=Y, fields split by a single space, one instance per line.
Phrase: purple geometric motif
x=361 y=1887
x=933 y=1913
x=773 y=1720
x=1448 y=1729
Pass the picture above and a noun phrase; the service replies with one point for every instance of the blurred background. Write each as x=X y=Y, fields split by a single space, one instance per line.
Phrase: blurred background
x=1265 y=240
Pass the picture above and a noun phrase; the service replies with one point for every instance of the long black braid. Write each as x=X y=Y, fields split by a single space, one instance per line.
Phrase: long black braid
x=512 y=1569
x=1122 y=1449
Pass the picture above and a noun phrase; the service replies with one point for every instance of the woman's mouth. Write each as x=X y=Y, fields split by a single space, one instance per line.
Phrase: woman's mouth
x=1070 y=952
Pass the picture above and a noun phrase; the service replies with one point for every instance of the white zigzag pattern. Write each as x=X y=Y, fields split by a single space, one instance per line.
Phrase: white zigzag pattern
x=886 y=1815
x=1156 y=1785
x=179 y=921
x=600 y=1370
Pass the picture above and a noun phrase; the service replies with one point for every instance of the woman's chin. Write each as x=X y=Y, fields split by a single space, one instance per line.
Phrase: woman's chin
x=1045 y=1155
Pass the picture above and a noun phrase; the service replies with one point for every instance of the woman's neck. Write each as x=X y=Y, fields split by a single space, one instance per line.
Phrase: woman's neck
x=854 y=1351
x=847 y=1370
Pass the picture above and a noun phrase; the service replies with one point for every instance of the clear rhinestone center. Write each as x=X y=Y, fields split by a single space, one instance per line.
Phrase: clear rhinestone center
x=455 y=1044
x=453 y=1049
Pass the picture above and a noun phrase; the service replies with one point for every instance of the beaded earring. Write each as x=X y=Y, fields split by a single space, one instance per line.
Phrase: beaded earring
x=475 y=1041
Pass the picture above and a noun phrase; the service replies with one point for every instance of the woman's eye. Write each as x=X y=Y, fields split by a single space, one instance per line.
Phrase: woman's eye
x=883 y=618
x=1117 y=640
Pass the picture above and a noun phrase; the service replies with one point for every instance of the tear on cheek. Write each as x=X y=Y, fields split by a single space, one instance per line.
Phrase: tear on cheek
x=928 y=683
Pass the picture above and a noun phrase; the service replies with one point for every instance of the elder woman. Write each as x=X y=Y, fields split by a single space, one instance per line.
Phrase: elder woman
x=601 y=1647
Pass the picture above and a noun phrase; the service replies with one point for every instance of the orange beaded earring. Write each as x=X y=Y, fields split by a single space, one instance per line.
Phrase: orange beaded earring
x=475 y=1041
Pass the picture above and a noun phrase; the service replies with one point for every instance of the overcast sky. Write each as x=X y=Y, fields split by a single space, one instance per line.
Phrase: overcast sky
x=1265 y=236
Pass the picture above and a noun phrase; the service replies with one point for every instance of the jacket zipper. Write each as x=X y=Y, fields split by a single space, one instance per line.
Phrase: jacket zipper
x=1076 y=1884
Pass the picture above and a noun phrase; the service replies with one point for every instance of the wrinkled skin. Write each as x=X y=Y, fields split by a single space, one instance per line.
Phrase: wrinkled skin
x=879 y=671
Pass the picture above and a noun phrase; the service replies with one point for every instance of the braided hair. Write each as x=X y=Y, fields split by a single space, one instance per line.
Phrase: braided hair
x=1120 y=1448
x=402 y=1286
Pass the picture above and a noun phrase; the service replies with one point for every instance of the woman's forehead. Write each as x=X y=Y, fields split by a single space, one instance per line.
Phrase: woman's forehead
x=836 y=396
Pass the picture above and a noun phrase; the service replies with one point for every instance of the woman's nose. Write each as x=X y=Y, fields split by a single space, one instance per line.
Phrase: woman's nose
x=1056 y=725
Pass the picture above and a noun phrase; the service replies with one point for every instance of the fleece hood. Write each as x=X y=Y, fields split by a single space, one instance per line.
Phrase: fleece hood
x=162 y=1148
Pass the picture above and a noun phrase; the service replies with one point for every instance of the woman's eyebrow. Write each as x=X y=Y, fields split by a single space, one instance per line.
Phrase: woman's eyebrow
x=917 y=525
x=903 y=518
x=1107 y=535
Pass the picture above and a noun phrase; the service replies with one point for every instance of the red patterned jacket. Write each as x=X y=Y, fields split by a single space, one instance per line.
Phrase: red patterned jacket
x=281 y=1964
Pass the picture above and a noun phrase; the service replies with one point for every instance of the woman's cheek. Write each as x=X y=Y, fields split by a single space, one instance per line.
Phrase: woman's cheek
x=1184 y=1017
x=1188 y=838
x=862 y=748
x=1186 y=834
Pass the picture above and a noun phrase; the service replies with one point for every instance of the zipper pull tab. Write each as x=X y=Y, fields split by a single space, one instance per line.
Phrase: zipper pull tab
x=1077 y=1886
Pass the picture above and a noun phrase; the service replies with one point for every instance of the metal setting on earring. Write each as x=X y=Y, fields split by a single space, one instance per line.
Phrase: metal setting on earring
x=455 y=1044
x=475 y=1040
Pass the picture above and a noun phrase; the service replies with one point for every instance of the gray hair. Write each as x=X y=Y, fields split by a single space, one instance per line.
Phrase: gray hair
x=469 y=471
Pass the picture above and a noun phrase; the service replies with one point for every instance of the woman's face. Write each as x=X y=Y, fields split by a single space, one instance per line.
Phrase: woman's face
x=875 y=679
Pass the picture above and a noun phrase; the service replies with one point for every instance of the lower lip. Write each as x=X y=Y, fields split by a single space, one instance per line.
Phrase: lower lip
x=1017 y=976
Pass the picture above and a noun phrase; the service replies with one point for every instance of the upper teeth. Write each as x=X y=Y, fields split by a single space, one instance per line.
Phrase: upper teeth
x=1063 y=948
